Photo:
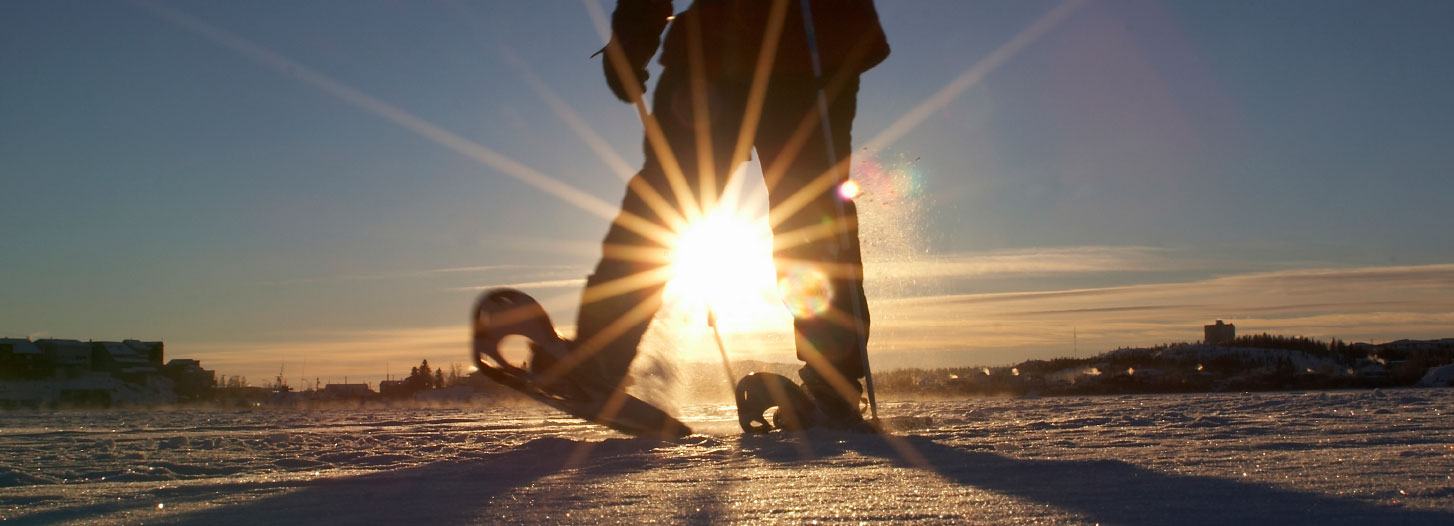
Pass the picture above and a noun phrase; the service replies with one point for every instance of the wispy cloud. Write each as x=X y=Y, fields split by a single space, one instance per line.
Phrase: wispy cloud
x=1059 y=260
x=473 y=268
x=1094 y=310
x=546 y=284
x=1366 y=303
x=420 y=273
x=1361 y=304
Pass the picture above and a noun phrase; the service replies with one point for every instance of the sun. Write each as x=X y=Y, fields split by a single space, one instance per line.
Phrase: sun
x=723 y=261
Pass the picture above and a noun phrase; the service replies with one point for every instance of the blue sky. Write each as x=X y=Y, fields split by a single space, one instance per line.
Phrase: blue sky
x=322 y=182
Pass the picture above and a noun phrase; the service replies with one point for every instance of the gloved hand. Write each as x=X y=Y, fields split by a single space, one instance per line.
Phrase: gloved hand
x=636 y=27
x=635 y=72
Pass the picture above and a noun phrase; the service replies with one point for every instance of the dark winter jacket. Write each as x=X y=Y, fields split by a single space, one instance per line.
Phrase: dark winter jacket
x=848 y=35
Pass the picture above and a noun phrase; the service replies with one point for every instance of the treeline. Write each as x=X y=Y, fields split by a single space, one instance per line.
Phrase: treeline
x=424 y=377
x=1256 y=362
x=1248 y=363
x=421 y=378
x=454 y=383
x=1339 y=350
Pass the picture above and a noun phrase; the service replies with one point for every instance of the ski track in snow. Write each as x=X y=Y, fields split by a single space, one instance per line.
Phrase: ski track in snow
x=1338 y=457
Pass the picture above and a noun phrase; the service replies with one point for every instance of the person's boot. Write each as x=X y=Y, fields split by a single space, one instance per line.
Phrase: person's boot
x=834 y=411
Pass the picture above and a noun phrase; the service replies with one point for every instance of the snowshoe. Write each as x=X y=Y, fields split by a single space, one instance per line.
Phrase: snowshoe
x=551 y=375
x=757 y=393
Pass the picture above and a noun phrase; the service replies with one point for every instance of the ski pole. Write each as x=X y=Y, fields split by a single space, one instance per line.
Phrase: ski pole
x=726 y=365
x=843 y=242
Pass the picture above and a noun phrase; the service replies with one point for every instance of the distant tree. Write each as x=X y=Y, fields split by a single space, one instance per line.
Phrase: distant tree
x=456 y=374
x=423 y=377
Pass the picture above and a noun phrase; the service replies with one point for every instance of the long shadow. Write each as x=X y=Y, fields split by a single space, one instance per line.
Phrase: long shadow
x=447 y=492
x=1111 y=491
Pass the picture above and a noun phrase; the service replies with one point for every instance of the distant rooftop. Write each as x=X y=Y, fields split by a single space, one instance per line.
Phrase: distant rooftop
x=141 y=345
x=20 y=346
x=119 y=350
x=57 y=341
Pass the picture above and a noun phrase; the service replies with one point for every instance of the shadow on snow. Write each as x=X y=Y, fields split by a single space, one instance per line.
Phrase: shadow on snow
x=1107 y=491
x=446 y=492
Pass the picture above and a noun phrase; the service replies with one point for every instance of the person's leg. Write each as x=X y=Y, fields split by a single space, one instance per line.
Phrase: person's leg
x=625 y=290
x=817 y=252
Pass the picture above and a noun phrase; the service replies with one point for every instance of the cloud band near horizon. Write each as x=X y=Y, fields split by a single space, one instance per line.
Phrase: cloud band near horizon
x=1373 y=304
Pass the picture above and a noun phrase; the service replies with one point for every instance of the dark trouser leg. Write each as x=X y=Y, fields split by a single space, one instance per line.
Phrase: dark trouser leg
x=620 y=296
x=625 y=290
x=816 y=235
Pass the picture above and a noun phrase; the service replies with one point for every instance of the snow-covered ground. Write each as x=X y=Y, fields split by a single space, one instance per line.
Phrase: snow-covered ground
x=1345 y=457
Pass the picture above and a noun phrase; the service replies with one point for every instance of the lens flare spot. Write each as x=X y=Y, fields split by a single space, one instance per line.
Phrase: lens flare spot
x=849 y=189
x=805 y=291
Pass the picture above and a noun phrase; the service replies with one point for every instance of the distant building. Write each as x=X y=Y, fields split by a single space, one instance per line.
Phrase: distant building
x=192 y=381
x=70 y=358
x=20 y=359
x=347 y=391
x=1219 y=333
x=395 y=389
x=130 y=360
x=52 y=372
x=153 y=351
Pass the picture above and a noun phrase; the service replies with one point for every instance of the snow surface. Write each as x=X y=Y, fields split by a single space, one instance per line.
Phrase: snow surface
x=1441 y=376
x=1342 y=457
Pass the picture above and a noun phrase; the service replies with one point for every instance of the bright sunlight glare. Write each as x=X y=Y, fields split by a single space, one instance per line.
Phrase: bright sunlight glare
x=724 y=262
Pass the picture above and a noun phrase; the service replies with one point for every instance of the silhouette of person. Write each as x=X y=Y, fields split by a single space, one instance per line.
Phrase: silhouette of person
x=706 y=115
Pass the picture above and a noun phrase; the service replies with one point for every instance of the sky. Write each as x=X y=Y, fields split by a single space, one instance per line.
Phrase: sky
x=324 y=187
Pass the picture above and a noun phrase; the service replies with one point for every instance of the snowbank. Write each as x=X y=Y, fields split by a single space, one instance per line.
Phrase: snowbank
x=1441 y=376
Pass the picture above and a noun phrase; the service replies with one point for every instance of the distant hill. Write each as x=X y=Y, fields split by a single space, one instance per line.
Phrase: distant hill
x=1249 y=363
